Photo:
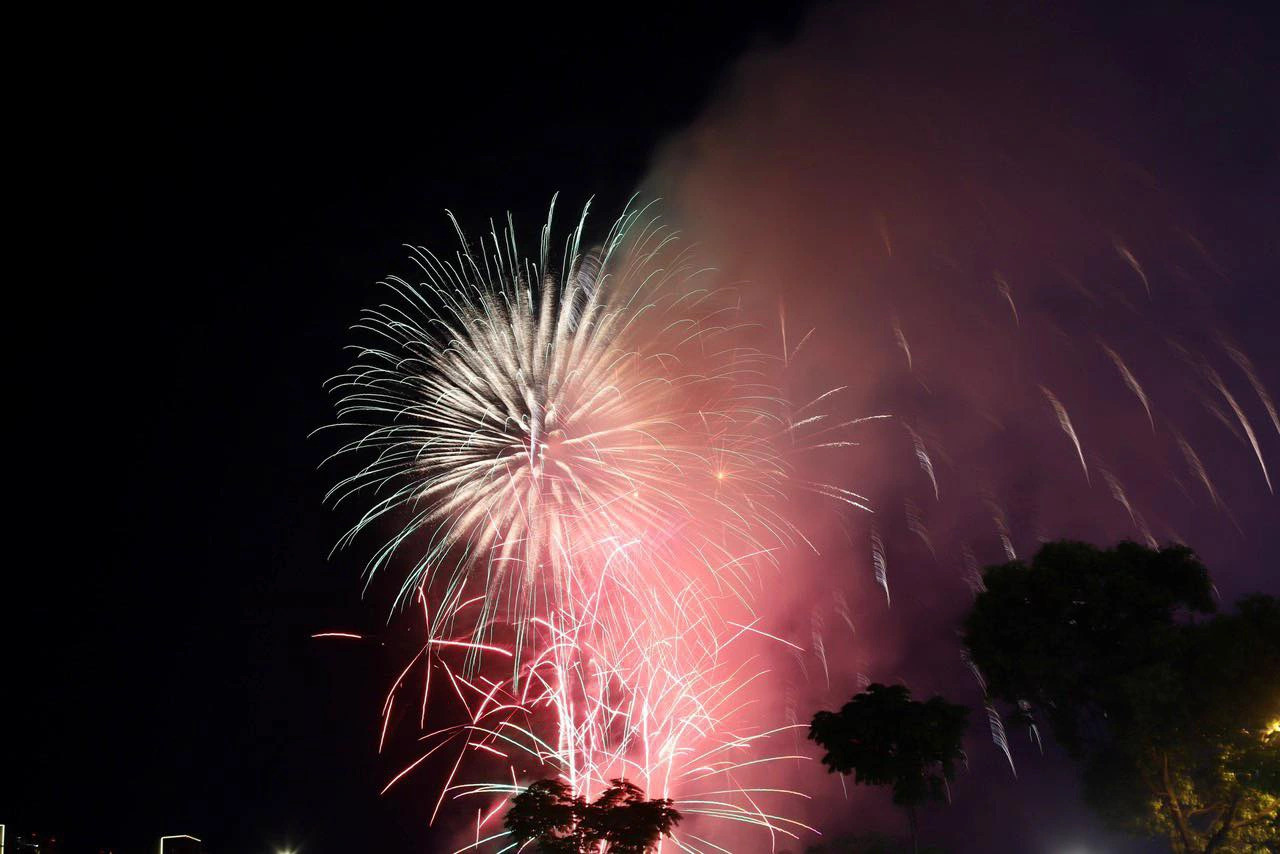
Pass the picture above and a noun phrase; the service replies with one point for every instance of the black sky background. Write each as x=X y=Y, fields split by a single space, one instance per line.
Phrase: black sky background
x=214 y=199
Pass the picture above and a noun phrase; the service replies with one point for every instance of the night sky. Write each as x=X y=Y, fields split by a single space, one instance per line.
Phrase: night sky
x=214 y=199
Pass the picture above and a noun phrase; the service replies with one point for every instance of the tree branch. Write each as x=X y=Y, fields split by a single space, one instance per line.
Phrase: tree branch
x=1175 y=808
x=1221 y=836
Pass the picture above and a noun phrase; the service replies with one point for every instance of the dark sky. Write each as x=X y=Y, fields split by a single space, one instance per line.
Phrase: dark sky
x=215 y=199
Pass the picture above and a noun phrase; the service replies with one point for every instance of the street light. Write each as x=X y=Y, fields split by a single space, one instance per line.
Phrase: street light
x=176 y=836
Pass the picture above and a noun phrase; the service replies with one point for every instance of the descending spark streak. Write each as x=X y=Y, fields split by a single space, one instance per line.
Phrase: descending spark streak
x=1197 y=467
x=1001 y=521
x=994 y=722
x=1131 y=381
x=803 y=340
x=1123 y=252
x=881 y=565
x=1034 y=730
x=1237 y=355
x=901 y=338
x=820 y=645
x=782 y=327
x=1064 y=420
x=842 y=610
x=915 y=524
x=972 y=574
x=884 y=234
x=1003 y=287
x=998 y=734
x=922 y=456
x=1118 y=493
x=973 y=668
x=1225 y=420
x=754 y=630
x=1244 y=421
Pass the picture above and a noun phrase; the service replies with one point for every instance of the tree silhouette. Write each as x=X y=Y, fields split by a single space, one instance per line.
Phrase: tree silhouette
x=884 y=738
x=620 y=821
x=1173 y=719
x=625 y=822
x=548 y=812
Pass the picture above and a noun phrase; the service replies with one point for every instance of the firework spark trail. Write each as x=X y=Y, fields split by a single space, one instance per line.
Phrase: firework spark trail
x=842 y=611
x=901 y=338
x=1217 y=383
x=1131 y=381
x=922 y=456
x=1001 y=520
x=1033 y=729
x=1003 y=287
x=1123 y=252
x=1225 y=420
x=1197 y=467
x=880 y=564
x=1118 y=493
x=820 y=645
x=1243 y=362
x=973 y=669
x=915 y=524
x=788 y=354
x=996 y=724
x=1064 y=421
x=972 y=573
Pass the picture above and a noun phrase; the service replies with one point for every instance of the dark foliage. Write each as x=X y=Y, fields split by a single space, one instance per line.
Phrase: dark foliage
x=1063 y=632
x=1172 y=717
x=884 y=738
x=548 y=813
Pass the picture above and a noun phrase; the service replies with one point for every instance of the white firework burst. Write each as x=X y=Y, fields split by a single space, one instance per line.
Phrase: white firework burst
x=533 y=430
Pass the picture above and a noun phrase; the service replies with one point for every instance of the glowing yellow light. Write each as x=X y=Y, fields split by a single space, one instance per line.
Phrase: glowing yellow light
x=720 y=475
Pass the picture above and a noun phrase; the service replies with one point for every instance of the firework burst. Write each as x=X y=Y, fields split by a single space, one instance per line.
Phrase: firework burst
x=524 y=429
x=582 y=468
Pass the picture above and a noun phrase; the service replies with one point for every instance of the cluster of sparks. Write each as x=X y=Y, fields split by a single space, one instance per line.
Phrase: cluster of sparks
x=583 y=472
